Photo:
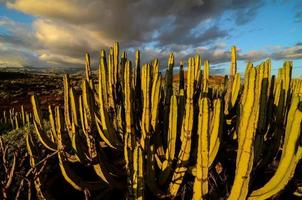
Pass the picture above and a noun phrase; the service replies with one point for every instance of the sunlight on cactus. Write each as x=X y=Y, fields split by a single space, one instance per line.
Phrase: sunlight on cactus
x=142 y=134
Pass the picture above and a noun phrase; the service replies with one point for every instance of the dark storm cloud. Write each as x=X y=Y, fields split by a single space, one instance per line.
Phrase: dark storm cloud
x=137 y=21
x=185 y=20
x=64 y=30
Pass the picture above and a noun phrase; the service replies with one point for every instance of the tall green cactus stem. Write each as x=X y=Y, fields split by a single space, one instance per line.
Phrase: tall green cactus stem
x=200 y=187
x=150 y=171
x=137 y=92
x=74 y=110
x=116 y=49
x=278 y=87
x=16 y=121
x=88 y=127
x=181 y=77
x=216 y=129
x=67 y=113
x=155 y=96
x=155 y=103
x=87 y=68
x=52 y=124
x=76 y=137
x=233 y=84
x=111 y=82
x=42 y=135
x=103 y=77
x=135 y=175
x=235 y=90
x=129 y=140
x=206 y=74
x=292 y=152
x=146 y=85
x=88 y=119
x=128 y=98
x=262 y=94
x=71 y=117
x=169 y=80
x=287 y=66
x=249 y=66
x=11 y=119
x=186 y=131
x=65 y=140
x=31 y=147
x=171 y=148
x=268 y=66
x=246 y=131
x=138 y=173
x=122 y=69
x=172 y=133
x=74 y=180
x=282 y=94
x=233 y=70
x=137 y=75
x=9 y=170
x=88 y=104
x=5 y=117
x=105 y=127
x=23 y=115
x=168 y=89
x=197 y=62
x=155 y=68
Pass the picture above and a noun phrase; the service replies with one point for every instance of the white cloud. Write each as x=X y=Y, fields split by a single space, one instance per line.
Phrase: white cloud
x=64 y=30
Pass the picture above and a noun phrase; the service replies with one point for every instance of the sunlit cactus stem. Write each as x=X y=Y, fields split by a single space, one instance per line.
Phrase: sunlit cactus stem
x=233 y=70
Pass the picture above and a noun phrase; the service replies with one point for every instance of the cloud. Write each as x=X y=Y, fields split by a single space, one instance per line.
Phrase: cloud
x=17 y=45
x=14 y=57
x=289 y=53
x=246 y=14
x=64 y=30
x=298 y=13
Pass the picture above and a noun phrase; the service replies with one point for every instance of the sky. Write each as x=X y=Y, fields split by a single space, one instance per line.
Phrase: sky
x=52 y=33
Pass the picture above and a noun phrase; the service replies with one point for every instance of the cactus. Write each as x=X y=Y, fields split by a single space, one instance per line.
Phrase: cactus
x=31 y=148
x=172 y=136
x=23 y=115
x=289 y=159
x=42 y=135
x=233 y=84
x=200 y=187
x=9 y=169
x=184 y=154
x=133 y=132
x=246 y=132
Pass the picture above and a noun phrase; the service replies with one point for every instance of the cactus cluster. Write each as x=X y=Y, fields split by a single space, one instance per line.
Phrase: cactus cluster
x=15 y=119
x=9 y=169
x=132 y=131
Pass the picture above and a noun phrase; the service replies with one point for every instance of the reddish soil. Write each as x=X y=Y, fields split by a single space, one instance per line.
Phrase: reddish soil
x=16 y=89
